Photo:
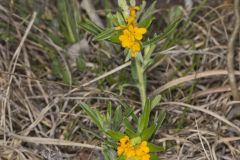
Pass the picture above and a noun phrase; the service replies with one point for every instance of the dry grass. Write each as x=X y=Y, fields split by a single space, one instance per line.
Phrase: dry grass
x=40 y=116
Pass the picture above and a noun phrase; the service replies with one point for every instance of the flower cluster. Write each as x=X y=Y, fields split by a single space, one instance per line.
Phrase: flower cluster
x=133 y=151
x=132 y=34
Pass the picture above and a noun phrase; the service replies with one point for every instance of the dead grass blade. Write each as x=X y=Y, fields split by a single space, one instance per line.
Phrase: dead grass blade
x=51 y=141
x=189 y=78
x=221 y=118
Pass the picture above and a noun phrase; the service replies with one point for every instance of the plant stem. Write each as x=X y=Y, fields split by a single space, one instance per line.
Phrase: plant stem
x=141 y=83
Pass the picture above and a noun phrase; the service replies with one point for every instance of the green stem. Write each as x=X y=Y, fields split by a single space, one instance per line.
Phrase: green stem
x=141 y=84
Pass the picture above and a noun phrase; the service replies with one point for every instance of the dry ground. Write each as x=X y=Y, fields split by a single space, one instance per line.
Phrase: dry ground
x=40 y=116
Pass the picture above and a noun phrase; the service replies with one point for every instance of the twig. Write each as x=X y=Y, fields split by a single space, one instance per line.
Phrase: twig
x=222 y=140
x=50 y=141
x=200 y=138
x=107 y=74
x=230 y=55
x=12 y=68
x=230 y=61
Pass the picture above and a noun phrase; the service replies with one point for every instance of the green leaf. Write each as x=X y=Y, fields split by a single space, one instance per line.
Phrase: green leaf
x=115 y=37
x=127 y=124
x=144 y=118
x=159 y=121
x=69 y=16
x=133 y=2
x=134 y=71
x=89 y=131
x=109 y=111
x=149 y=12
x=115 y=135
x=90 y=27
x=129 y=111
x=124 y=6
x=135 y=141
x=95 y=117
x=117 y=119
x=130 y=133
x=109 y=154
x=147 y=63
x=155 y=101
x=142 y=7
x=106 y=34
x=148 y=50
x=139 y=57
x=146 y=112
x=122 y=157
x=147 y=133
x=120 y=18
x=81 y=65
x=67 y=77
x=102 y=119
x=140 y=125
x=112 y=19
x=172 y=27
x=55 y=65
x=127 y=54
x=155 y=148
x=147 y=22
x=175 y=13
x=154 y=157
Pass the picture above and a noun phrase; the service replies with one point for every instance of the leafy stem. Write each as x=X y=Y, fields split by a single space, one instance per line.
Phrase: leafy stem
x=141 y=82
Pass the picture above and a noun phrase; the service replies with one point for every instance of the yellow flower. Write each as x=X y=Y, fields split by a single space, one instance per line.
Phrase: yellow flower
x=127 y=39
x=146 y=157
x=120 y=150
x=133 y=11
x=130 y=152
x=135 y=48
x=132 y=16
x=131 y=20
x=131 y=34
x=124 y=140
x=138 y=151
x=137 y=32
x=120 y=27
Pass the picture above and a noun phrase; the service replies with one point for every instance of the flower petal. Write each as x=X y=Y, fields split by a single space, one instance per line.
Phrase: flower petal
x=138 y=37
x=136 y=46
x=120 y=27
x=122 y=37
x=140 y=30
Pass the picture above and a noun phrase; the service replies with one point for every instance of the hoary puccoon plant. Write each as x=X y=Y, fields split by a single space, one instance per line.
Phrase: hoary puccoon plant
x=127 y=133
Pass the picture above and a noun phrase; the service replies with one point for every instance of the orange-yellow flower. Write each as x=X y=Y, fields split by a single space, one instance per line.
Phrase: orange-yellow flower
x=132 y=16
x=135 y=48
x=133 y=10
x=127 y=39
x=132 y=34
x=137 y=32
x=133 y=151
